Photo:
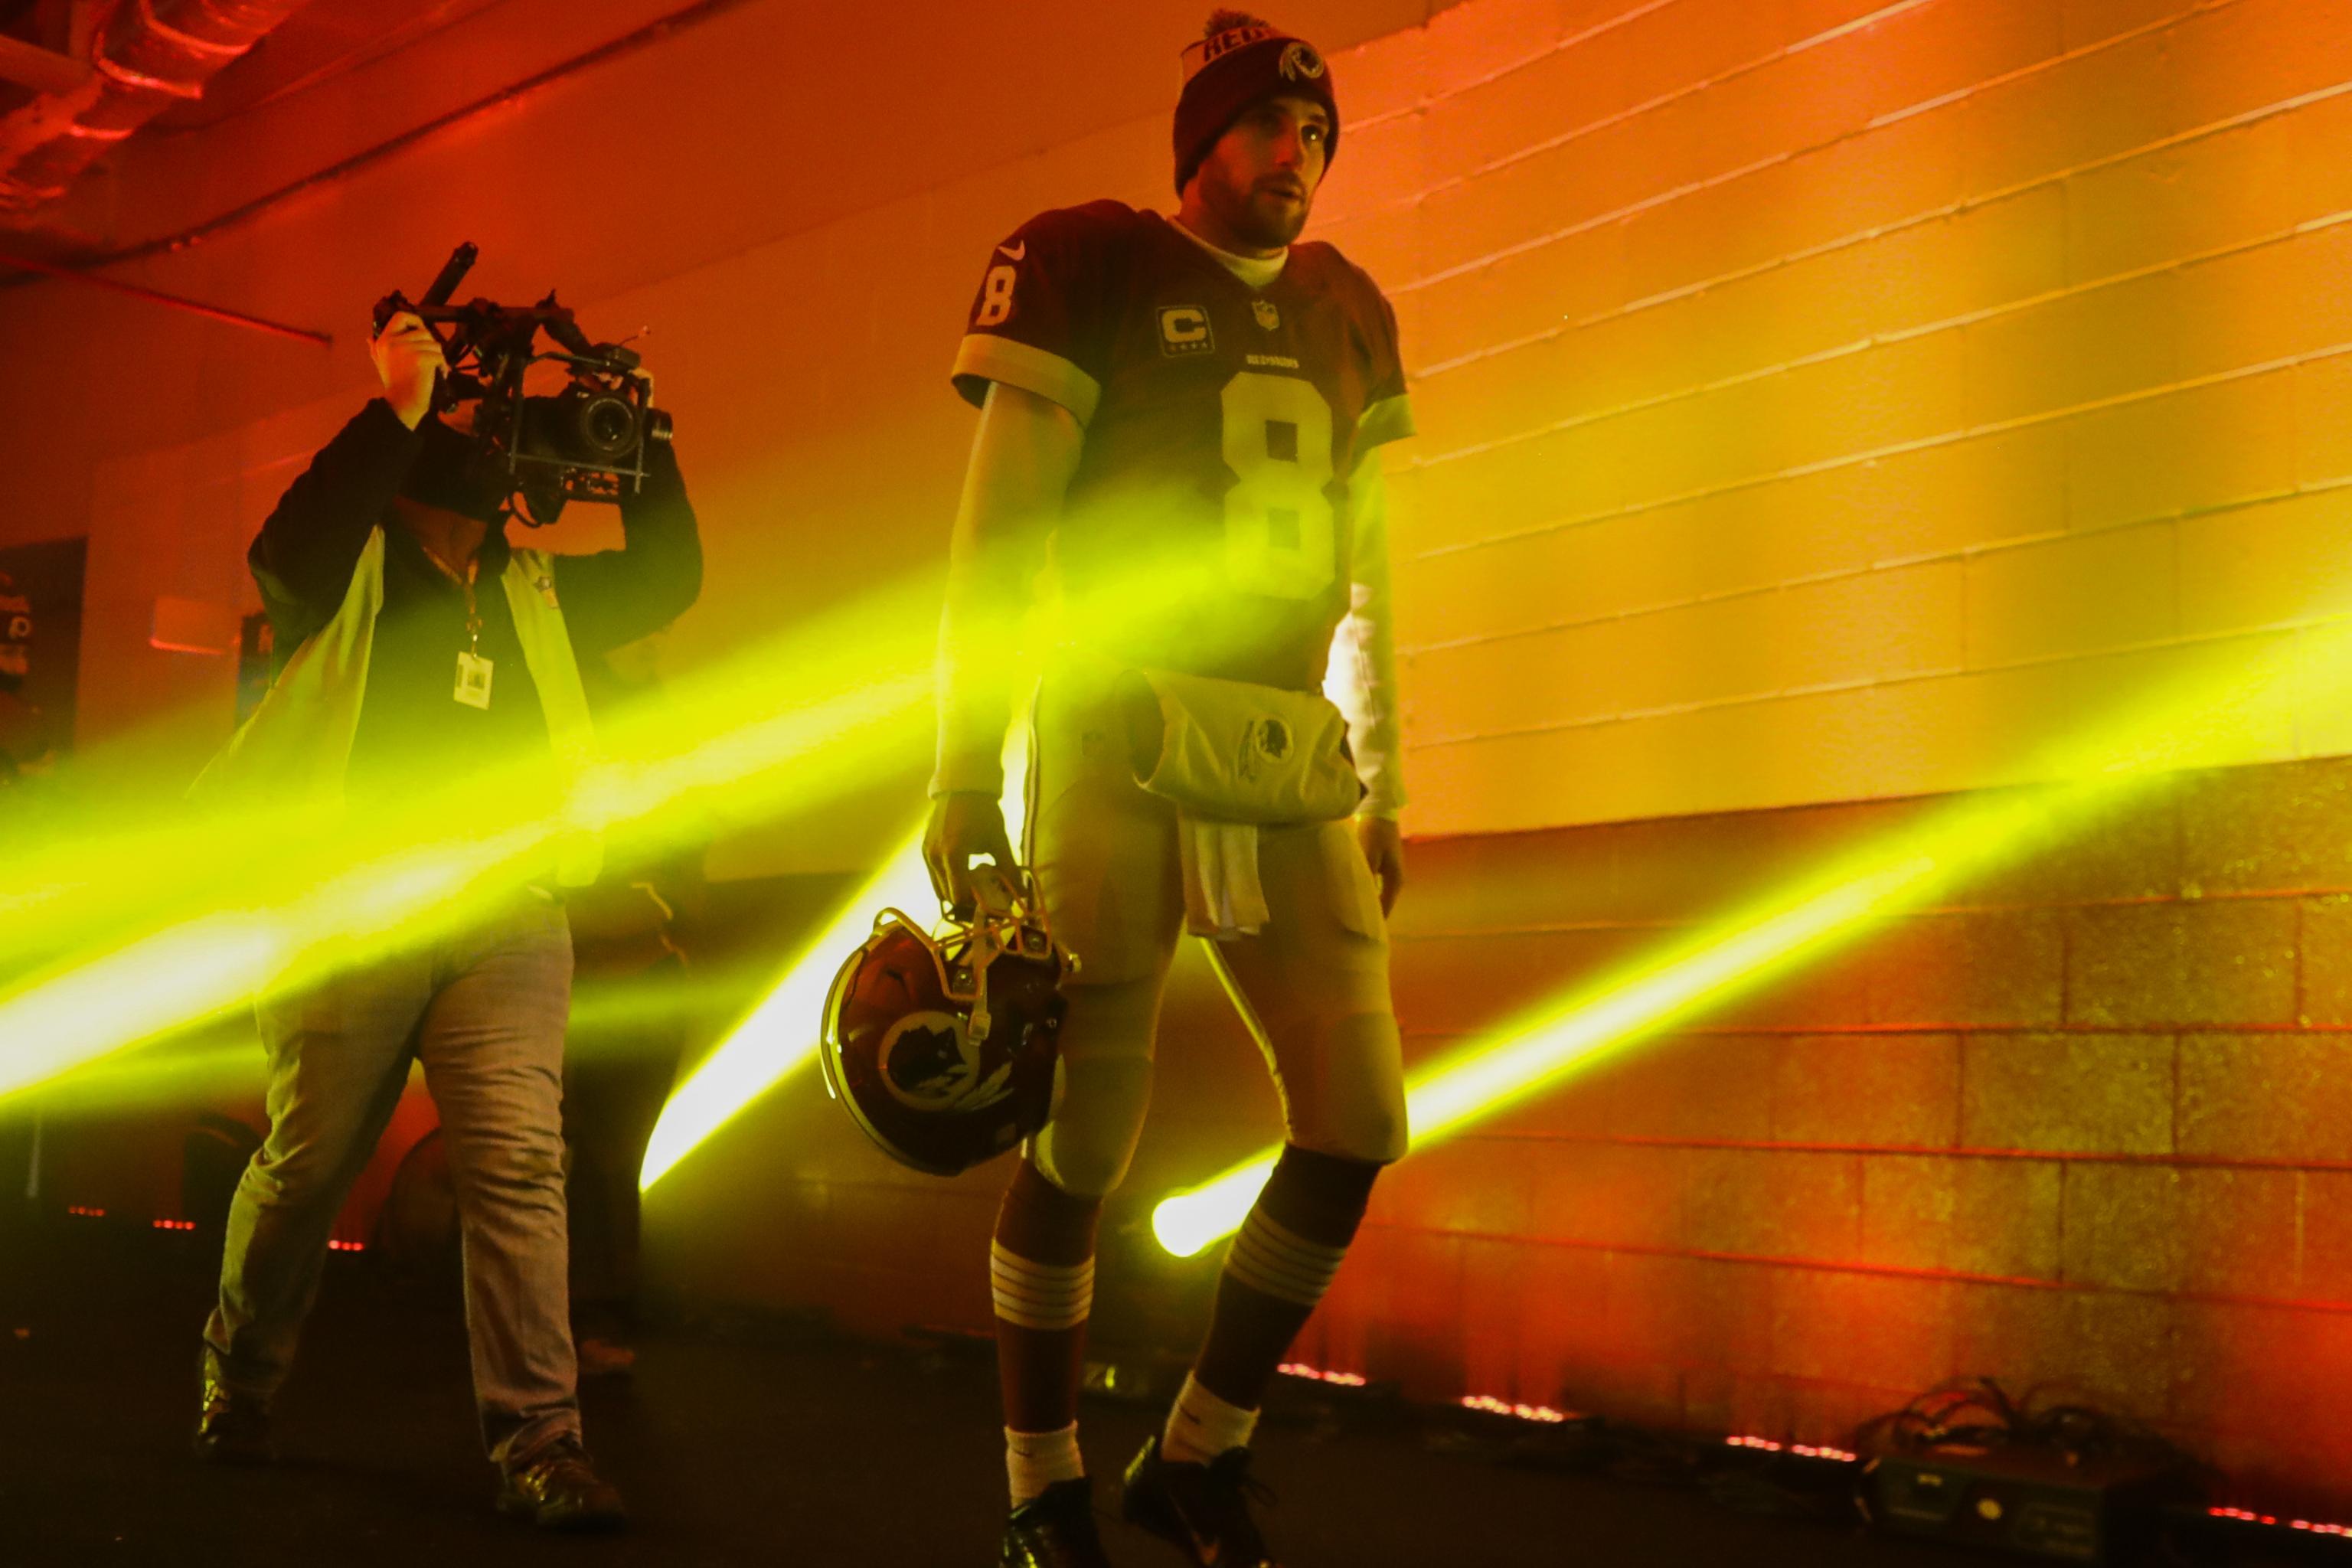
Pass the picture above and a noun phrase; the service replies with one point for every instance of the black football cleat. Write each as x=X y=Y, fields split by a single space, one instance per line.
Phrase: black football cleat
x=232 y=1428
x=556 y=1488
x=1055 y=1529
x=1203 y=1510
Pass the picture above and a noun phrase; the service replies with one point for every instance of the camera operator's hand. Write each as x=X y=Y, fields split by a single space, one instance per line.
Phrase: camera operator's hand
x=963 y=825
x=409 y=363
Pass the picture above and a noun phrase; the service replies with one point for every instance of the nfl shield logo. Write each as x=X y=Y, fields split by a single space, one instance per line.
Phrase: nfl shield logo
x=1267 y=317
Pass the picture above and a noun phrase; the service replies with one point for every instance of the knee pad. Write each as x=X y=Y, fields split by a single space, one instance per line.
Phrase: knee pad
x=1085 y=1148
x=1102 y=1086
x=1350 y=1103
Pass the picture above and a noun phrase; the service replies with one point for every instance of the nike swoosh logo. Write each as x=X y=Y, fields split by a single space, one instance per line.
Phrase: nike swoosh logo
x=1014 y=252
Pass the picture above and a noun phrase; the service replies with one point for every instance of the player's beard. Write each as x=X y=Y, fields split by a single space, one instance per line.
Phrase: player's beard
x=1264 y=220
x=1281 y=221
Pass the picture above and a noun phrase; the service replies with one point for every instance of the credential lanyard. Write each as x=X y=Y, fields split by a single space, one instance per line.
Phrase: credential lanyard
x=474 y=671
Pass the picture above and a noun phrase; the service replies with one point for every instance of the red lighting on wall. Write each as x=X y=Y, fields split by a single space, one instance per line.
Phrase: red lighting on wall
x=1485 y=1403
x=347 y=1247
x=175 y=1225
x=1803 y=1450
x=2306 y=1526
x=83 y=1212
x=1490 y=1405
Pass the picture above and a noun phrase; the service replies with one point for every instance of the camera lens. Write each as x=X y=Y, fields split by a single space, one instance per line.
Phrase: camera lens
x=607 y=424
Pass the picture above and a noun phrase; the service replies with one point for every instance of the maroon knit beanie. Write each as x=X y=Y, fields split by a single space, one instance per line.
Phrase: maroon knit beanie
x=1240 y=61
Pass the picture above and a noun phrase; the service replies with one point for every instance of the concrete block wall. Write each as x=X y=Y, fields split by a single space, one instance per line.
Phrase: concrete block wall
x=1794 y=374
x=2083 y=1127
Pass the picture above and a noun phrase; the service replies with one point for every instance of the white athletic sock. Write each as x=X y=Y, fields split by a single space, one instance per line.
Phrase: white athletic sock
x=1036 y=1460
x=1202 y=1426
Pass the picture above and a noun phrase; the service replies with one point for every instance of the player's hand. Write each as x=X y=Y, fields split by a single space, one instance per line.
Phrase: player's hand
x=409 y=363
x=1384 y=845
x=964 y=825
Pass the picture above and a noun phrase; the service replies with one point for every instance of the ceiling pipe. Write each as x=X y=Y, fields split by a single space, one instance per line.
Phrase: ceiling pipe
x=144 y=56
x=176 y=302
x=690 y=15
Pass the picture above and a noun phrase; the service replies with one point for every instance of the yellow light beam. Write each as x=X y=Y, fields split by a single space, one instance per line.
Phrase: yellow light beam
x=2202 y=724
x=316 y=916
x=180 y=1073
x=610 y=1021
x=752 y=743
x=1524 y=1060
x=782 y=1033
x=196 y=970
x=109 y=869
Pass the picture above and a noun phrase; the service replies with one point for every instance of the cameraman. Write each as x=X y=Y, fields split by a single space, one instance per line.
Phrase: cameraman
x=418 y=649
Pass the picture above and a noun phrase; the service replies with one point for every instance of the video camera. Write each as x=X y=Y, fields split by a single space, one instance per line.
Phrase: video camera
x=581 y=444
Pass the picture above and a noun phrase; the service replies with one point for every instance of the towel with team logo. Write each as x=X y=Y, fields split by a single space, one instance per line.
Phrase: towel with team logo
x=1234 y=757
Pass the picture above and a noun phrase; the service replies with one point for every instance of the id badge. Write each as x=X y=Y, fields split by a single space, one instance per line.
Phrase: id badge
x=473 y=681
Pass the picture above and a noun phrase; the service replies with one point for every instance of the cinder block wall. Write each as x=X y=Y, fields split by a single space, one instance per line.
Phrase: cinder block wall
x=2085 y=1127
x=1865 y=393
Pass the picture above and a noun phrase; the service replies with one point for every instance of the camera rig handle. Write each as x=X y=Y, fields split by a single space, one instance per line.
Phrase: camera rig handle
x=587 y=443
x=445 y=283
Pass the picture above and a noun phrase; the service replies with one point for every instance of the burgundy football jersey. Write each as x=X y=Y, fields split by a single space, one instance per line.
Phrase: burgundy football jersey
x=1208 y=527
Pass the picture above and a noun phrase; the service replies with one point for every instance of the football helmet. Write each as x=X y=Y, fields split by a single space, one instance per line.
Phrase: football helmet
x=942 y=1045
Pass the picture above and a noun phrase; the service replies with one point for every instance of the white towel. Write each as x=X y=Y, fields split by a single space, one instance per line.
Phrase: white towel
x=1223 y=896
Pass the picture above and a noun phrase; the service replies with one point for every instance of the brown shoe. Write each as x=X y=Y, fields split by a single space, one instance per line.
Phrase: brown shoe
x=557 y=1487
x=232 y=1428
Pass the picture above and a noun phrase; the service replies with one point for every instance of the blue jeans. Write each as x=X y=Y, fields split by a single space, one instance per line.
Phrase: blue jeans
x=484 y=1009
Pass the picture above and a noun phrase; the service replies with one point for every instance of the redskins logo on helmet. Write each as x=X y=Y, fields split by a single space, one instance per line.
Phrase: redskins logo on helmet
x=943 y=1047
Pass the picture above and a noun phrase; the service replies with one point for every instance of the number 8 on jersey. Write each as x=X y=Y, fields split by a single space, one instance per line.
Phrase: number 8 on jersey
x=1277 y=438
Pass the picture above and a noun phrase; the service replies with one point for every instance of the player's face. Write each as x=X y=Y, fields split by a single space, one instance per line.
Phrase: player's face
x=1260 y=178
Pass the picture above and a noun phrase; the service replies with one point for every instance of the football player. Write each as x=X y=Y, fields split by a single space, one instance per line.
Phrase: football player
x=1192 y=409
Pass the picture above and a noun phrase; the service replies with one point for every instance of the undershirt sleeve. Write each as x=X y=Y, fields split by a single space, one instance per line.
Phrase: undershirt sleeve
x=1362 y=679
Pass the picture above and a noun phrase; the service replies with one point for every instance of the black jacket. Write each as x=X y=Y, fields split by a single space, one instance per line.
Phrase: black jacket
x=410 y=722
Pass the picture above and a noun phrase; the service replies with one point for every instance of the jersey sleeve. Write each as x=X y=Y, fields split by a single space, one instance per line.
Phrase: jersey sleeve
x=1041 y=320
x=1388 y=410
